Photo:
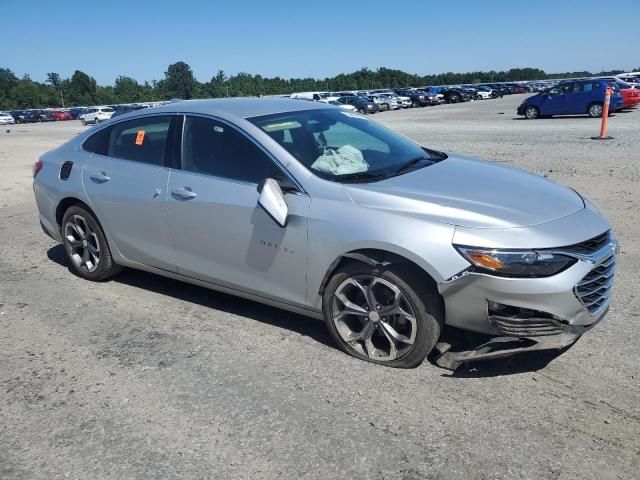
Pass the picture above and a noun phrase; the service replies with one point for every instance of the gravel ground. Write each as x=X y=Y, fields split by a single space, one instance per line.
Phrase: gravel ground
x=143 y=377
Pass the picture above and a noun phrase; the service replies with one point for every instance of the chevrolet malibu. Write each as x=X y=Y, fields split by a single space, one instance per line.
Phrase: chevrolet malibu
x=320 y=211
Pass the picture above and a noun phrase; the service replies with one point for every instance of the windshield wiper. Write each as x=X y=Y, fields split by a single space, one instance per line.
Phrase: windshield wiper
x=357 y=176
x=410 y=164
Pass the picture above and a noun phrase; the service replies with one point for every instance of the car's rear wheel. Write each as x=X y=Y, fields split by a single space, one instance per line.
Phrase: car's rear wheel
x=362 y=111
x=83 y=122
x=86 y=245
x=384 y=315
x=531 y=112
x=595 y=110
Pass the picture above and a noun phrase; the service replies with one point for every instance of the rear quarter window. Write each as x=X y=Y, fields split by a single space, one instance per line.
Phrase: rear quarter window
x=98 y=142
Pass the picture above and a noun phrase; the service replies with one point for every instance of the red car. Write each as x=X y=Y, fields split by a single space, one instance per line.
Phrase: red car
x=61 y=115
x=630 y=93
x=630 y=97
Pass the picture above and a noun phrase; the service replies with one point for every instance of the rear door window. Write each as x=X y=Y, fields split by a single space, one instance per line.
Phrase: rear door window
x=585 y=87
x=141 y=140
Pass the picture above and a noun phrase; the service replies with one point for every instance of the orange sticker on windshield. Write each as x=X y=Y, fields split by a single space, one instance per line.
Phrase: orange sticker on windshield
x=140 y=137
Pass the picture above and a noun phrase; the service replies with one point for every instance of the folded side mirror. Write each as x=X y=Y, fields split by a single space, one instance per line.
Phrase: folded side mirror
x=271 y=199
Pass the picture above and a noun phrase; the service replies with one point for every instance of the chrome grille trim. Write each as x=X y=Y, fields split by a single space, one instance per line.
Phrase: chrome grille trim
x=594 y=290
x=525 y=327
x=590 y=246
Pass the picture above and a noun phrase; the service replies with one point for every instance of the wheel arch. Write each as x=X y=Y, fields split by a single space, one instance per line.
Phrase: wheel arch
x=67 y=203
x=376 y=257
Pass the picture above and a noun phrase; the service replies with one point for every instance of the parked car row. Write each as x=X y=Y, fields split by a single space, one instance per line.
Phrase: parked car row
x=378 y=100
x=86 y=115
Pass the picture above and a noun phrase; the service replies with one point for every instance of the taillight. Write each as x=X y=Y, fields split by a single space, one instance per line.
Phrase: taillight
x=37 y=167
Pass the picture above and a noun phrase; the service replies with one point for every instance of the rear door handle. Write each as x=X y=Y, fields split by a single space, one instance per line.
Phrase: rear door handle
x=100 y=176
x=184 y=192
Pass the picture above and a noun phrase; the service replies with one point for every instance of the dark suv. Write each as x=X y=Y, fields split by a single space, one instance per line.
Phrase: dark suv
x=455 y=95
x=363 y=105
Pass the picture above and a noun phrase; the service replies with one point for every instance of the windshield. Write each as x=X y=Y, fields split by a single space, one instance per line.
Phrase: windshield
x=344 y=146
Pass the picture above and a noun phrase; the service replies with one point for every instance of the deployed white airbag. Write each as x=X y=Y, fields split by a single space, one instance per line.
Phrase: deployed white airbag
x=346 y=159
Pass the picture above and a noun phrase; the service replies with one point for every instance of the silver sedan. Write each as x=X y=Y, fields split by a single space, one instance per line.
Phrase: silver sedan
x=320 y=211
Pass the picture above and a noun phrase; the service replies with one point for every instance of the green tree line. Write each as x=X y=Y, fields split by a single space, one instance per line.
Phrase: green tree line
x=179 y=82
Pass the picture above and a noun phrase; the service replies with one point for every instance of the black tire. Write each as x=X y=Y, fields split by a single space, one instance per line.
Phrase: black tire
x=362 y=111
x=422 y=296
x=83 y=122
x=595 y=110
x=105 y=266
x=414 y=104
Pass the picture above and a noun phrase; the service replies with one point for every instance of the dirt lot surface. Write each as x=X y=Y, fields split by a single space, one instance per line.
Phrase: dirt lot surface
x=147 y=378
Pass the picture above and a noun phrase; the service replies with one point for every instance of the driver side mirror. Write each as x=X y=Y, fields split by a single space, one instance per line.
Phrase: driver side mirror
x=271 y=199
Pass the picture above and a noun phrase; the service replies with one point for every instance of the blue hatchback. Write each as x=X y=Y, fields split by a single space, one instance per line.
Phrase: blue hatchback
x=571 y=98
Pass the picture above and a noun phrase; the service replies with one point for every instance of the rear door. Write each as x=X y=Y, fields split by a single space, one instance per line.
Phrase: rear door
x=221 y=233
x=126 y=181
x=583 y=94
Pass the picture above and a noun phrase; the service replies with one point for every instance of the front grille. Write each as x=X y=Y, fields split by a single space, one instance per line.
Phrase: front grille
x=594 y=289
x=590 y=246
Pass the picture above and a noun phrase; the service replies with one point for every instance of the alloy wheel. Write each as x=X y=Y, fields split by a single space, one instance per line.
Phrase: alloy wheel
x=531 y=113
x=595 y=110
x=374 y=317
x=82 y=243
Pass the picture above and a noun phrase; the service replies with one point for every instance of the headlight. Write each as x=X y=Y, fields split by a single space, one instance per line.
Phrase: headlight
x=516 y=263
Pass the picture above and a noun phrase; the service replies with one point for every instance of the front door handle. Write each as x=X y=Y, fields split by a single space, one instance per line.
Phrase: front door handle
x=184 y=192
x=100 y=176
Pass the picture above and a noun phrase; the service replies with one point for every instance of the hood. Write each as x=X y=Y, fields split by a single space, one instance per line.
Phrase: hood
x=471 y=193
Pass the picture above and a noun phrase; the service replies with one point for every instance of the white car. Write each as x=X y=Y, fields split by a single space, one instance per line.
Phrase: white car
x=315 y=96
x=96 y=115
x=405 y=102
x=483 y=92
x=6 y=119
x=394 y=102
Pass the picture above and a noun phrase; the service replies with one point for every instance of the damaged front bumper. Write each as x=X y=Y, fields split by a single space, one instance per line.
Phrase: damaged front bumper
x=529 y=314
x=552 y=334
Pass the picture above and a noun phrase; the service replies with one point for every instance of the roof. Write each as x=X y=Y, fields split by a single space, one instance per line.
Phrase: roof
x=241 y=107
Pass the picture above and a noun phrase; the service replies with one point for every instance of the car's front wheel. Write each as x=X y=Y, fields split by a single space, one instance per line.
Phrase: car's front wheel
x=531 y=112
x=388 y=315
x=86 y=245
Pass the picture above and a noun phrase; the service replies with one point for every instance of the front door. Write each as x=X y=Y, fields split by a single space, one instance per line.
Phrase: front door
x=221 y=233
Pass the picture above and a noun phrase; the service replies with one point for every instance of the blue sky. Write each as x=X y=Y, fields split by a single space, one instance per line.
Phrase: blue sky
x=140 y=38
